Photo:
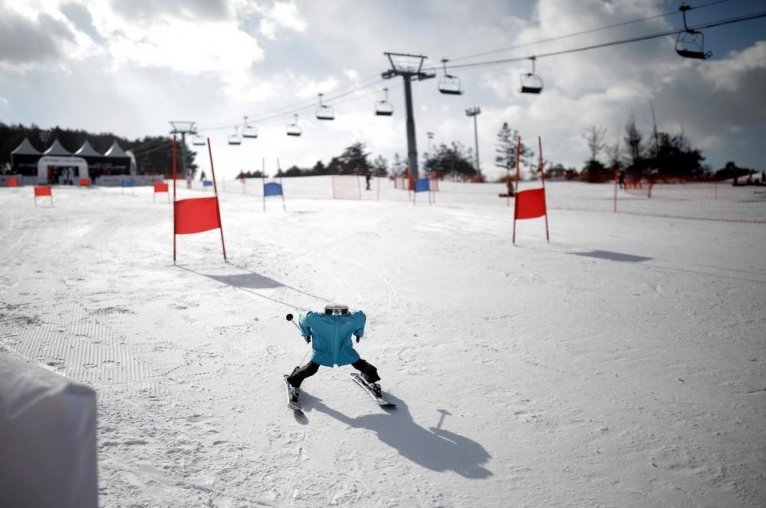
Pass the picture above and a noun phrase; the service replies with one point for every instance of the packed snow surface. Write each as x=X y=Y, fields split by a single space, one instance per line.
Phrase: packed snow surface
x=621 y=364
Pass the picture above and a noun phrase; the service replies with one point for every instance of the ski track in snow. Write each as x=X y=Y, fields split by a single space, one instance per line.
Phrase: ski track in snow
x=620 y=365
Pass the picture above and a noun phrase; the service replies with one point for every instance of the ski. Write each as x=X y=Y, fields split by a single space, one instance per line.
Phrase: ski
x=295 y=406
x=381 y=401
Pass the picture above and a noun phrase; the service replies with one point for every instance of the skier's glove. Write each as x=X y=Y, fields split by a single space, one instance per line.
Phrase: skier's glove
x=357 y=338
x=307 y=338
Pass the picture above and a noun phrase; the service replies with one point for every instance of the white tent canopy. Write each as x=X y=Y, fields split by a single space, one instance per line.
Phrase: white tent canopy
x=57 y=150
x=86 y=150
x=26 y=148
x=115 y=151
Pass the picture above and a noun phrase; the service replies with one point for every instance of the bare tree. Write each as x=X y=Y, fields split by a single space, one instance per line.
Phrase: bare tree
x=595 y=137
x=614 y=153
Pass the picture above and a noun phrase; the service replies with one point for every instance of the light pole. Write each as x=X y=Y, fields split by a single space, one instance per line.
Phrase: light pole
x=429 y=154
x=409 y=67
x=474 y=112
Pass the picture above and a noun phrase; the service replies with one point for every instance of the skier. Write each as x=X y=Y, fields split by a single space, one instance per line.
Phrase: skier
x=330 y=336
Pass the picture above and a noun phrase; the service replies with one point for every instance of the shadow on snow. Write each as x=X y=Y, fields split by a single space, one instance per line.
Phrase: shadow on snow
x=433 y=448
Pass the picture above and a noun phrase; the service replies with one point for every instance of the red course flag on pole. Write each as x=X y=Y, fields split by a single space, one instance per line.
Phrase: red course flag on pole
x=196 y=215
x=42 y=190
x=530 y=204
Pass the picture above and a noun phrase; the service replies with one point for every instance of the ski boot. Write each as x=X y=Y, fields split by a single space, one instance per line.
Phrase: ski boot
x=294 y=393
x=374 y=387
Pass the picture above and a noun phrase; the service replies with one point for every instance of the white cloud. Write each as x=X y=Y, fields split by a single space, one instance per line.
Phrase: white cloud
x=188 y=47
x=216 y=61
x=280 y=15
x=309 y=88
x=731 y=73
x=351 y=74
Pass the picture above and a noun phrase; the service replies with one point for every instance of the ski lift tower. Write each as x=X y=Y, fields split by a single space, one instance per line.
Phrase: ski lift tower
x=183 y=128
x=409 y=67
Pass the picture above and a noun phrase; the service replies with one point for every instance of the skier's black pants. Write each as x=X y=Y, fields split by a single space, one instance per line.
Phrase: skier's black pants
x=369 y=372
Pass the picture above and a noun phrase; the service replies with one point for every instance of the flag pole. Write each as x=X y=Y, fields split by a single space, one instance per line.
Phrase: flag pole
x=217 y=204
x=542 y=178
x=173 y=150
x=516 y=200
x=263 y=184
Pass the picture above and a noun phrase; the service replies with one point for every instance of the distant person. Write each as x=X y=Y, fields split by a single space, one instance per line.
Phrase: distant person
x=202 y=177
x=329 y=334
x=368 y=178
x=189 y=177
x=621 y=179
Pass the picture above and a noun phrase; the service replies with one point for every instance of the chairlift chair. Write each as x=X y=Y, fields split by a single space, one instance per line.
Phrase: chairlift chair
x=531 y=82
x=198 y=140
x=384 y=108
x=324 y=112
x=449 y=84
x=293 y=129
x=691 y=43
x=248 y=131
x=235 y=139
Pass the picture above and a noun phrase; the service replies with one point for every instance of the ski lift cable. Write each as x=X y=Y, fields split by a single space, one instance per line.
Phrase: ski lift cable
x=290 y=109
x=712 y=24
x=584 y=32
x=284 y=111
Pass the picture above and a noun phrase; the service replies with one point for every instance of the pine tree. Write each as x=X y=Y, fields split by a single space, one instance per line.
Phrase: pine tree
x=506 y=149
x=506 y=153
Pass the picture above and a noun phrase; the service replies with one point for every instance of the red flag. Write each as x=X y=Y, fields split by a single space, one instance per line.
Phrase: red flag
x=160 y=187
x=196 y=215
x=42 y=190
x=530 y=204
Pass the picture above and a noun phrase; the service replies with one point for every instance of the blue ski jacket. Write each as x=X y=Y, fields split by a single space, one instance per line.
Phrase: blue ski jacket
x=331 y=336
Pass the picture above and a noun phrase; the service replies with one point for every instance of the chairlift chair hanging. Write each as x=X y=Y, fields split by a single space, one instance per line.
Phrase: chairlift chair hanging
x=198 y=140
x=384 y=108
x=691 y=43
x=324 y=112
x=248 y=131
x=293 y=129
x=235 y=139
x=530 y=81
x=449 y=84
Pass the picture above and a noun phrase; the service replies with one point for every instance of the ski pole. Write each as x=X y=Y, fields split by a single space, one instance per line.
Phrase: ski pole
x=289 y=317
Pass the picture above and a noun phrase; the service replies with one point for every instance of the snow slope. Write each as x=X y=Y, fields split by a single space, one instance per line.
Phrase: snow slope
x=623 y=364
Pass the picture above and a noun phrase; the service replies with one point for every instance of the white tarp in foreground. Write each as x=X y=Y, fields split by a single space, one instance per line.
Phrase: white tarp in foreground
x=47 y=438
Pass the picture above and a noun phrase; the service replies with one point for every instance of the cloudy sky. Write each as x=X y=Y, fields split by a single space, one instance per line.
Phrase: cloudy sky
x=131 y=66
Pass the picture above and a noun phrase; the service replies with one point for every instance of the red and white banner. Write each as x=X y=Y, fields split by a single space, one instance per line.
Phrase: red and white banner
x=43 y=191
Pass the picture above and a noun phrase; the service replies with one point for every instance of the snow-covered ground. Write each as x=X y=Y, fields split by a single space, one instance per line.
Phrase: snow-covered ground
x=623 y=364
